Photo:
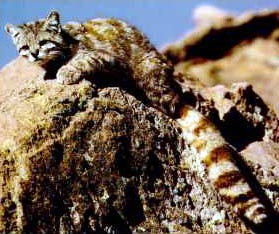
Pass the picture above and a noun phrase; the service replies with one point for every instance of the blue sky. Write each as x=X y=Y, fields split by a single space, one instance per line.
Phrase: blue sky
x=162 y=20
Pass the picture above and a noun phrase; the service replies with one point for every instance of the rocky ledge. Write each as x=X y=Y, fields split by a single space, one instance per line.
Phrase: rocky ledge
x=76 y=159
x=225 y=48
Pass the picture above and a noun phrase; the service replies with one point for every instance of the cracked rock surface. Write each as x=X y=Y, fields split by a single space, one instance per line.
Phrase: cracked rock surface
x=75 y=159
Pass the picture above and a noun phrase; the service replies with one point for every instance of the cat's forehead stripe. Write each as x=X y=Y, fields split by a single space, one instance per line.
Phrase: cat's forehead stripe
x=33 y=26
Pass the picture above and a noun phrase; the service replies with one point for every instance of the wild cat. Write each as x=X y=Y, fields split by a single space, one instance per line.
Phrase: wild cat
x=81 y=50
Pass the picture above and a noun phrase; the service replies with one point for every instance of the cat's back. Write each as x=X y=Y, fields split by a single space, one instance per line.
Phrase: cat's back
x=109 y=29
x=108 y=33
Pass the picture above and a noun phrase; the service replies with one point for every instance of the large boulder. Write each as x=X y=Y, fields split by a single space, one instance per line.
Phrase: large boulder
x=75 y=159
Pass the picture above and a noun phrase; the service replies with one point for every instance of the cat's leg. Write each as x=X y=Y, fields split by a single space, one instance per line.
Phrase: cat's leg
x=84 y=64
x=155 y=77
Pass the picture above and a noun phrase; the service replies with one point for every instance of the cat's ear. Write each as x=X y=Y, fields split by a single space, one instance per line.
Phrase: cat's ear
x=12 y=29
x=53 y=21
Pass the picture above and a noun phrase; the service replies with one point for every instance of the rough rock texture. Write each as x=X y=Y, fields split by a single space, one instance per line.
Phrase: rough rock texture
x=77 y=160
x=243 y=116
x=238 y=111
x=232 y=49
x=266 y=167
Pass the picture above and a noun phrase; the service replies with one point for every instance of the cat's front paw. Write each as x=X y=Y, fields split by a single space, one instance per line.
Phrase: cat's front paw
x=67 y=75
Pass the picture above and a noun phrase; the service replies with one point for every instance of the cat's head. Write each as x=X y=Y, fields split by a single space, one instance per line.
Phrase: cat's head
x=40 y=41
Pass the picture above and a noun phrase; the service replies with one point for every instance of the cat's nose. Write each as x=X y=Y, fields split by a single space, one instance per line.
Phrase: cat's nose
x=35 y=53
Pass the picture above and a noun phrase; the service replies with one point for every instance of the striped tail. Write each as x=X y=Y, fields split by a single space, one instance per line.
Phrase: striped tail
x=219 y=160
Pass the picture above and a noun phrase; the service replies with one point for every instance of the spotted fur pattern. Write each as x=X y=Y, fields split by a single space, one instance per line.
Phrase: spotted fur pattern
x=96 y=46
x=111 y=45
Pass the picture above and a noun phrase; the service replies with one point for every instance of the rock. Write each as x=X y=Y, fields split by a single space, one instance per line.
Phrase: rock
x=233 y=49
x=238 y=111
x=243 y=116
x=263 y=158
x=75 y=159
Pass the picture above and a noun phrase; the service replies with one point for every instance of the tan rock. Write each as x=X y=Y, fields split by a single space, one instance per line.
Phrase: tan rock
x=239 y=112
x=244 y=48
x=263 y=158
x=75 y=159
x=244 y=116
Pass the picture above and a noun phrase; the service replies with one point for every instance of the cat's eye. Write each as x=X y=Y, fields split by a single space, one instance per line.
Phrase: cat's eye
x=25 y=47
x=47 y=45
x=24 y=50
x=43 y=42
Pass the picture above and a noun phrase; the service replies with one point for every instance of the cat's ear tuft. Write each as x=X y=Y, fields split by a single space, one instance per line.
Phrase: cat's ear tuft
x=12 y=29
x=53 y=21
